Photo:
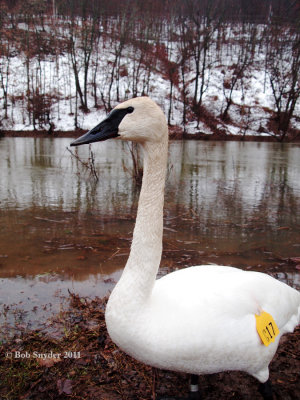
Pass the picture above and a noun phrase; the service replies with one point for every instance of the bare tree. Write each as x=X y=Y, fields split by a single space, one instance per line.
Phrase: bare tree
x=232 y=76
x=184 y=51
x=204 y=19
x=122 y=31
x=283 y=67
x=84 y=34
x=5 y=49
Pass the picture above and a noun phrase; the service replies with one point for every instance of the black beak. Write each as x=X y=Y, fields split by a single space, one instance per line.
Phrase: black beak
x=107 y=129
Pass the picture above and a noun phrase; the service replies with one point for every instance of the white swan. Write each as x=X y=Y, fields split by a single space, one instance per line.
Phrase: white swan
x=198 y=320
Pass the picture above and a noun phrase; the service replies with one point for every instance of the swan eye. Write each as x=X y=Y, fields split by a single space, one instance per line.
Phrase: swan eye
x=130 y=110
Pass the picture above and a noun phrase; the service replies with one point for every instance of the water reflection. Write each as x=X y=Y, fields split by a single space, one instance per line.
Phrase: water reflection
x=244 y=191
x=40 y=172
x=226 y=203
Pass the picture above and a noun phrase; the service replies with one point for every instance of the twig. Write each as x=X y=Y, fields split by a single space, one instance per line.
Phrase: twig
x=89 y=164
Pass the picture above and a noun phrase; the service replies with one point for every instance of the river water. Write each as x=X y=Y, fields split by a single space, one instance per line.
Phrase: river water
x=229 y=203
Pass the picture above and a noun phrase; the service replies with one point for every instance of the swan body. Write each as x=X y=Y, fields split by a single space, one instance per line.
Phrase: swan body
x=216 y=331
x=197 y=320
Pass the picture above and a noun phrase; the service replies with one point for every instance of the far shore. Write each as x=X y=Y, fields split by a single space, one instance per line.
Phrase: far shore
x=175 y=133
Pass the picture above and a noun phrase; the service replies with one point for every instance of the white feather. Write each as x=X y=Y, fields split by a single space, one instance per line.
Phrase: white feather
x=200 y=319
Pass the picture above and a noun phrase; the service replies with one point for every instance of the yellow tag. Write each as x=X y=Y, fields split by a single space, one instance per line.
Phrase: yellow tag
x=266 y=328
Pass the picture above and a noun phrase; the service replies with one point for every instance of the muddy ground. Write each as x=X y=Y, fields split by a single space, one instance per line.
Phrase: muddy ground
x=102 y=371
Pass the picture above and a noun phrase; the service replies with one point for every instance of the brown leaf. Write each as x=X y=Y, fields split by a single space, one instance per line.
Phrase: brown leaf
x=64 y=386
x=48 y=362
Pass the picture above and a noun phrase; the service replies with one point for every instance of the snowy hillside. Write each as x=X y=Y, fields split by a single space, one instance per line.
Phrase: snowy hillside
x=60 y=75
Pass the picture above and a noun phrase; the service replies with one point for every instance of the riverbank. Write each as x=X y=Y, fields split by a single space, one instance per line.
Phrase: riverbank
x=175 y=133
x=73 y=357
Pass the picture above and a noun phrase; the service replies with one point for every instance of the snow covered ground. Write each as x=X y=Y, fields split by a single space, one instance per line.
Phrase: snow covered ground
x=253 y=102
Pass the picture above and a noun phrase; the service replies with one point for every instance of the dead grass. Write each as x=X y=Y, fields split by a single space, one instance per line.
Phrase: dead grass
x=102 y=371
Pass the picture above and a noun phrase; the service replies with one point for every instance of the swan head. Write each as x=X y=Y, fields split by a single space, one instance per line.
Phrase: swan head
x=139 y=119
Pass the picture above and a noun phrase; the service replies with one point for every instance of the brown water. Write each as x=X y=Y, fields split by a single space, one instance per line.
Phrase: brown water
x=226 y=203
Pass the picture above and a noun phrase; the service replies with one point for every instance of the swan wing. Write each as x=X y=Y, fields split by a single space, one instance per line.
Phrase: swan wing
x=210 y=293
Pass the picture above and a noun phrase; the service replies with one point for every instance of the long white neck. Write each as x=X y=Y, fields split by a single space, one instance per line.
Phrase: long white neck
x=136 y=282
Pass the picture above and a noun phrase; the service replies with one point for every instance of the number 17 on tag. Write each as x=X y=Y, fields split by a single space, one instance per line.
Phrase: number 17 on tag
x=266 y=328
